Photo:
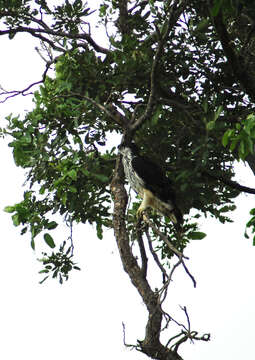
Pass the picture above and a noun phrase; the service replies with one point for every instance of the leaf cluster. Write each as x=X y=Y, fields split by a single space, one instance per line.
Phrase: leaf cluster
x=58 y=264
x=199 y=106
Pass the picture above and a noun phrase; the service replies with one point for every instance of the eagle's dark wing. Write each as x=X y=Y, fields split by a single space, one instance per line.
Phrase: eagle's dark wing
x=154 y=179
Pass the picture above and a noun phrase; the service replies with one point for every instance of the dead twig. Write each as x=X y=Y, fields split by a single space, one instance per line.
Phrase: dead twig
x=24 y=92
x=155 y=256
x=186 y=333
x=178 y=253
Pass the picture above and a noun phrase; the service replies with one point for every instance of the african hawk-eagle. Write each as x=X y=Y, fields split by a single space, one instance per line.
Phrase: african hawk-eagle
x=148 y=180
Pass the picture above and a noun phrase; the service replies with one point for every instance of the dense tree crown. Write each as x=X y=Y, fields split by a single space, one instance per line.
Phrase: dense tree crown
x=176 y=77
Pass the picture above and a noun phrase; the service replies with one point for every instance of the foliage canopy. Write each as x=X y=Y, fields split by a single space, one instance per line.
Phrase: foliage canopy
x=177 y=77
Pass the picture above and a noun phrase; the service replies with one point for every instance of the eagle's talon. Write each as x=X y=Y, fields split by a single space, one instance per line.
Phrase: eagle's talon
x=139 y=213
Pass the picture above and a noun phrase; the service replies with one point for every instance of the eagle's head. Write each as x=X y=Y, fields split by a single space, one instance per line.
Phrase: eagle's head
x=128 y=150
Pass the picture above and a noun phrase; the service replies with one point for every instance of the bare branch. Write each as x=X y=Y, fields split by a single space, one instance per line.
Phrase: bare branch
x=38 y=33
x=171 y=247
x=231 y=183
x=24 y=92
x=163 y=237
x=155 y=256
x=186 y=333
x=142 y=249
x=189 y=274
x=124 y=338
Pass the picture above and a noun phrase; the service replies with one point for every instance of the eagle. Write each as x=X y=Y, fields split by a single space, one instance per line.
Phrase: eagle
x=148 y=180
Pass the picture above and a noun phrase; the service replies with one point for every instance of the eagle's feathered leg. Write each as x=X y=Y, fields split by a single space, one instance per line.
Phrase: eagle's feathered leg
x=149 y=200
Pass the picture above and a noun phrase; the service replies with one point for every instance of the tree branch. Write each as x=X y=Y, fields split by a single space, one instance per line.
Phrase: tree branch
x=238 y=66
x=231 y=183
x=122 y=22
x=38 y=33
x=109 y=110
x=155 y=256
x=142 y=249
x=170 y=246
x=151 y=345
x=149 y=108
x=13 y=93
x=175 y=11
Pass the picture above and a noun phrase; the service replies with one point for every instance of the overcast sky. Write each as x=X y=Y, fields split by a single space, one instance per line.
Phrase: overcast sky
x=83 y=318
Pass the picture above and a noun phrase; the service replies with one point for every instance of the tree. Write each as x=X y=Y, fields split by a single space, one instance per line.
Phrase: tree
x=174 y=76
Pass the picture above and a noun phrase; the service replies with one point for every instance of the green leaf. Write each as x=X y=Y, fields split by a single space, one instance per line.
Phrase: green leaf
x=72 y=189
x=226 y=137
x=202 y=25
x=52 y=225
x=42 y=190
x=73 y=174
x=227 y=208
x=64 y=198
x=234 y=143
x=196 y=235
x=99 y=231
x=101 y=177
x=12 y=34
x=77 y=268
x=32 y=244
x=156 y=116
x=9 y=209
x=15 y=219
x=85 y=172
x=49 y=240
x=251 y=222
x=210 y=125
x=44 y=271
x=26 y=138
x=217 y=113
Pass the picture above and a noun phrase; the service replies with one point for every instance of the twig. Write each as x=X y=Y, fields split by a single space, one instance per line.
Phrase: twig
x=124 y=337
x=142 y=249
x=149 y=108
x=163 y=237
x=186 y=333
x=155 y=256
x=164 y=289
x=172 y=248
x=115 y=115
x=189 y=274
x=13 y=93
